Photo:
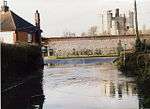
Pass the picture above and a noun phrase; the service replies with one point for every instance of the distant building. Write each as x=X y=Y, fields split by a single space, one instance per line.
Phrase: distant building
x=15 y=29
x=120 y=24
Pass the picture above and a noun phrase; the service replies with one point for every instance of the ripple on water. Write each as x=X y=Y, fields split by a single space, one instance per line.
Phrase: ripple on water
x=88 y=87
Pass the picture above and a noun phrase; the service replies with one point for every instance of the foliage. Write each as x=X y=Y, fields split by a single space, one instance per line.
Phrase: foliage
x=19 y=61
x=119 y=48
x=138 y=44
x=138 y=65
x=141 y=46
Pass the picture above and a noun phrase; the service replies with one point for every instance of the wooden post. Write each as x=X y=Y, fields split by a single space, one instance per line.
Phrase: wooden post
x=48 y=50
x=125 y=54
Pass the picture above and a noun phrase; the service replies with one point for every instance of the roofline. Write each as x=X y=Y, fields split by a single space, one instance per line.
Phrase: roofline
x=12 y=19
x=19 y=29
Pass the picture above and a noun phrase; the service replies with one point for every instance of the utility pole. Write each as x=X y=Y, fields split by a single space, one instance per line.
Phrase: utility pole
x=136 y=21
x=138 y=43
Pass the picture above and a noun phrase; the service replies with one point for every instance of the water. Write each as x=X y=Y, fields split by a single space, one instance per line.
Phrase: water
x=88 y=85
x=92 y=83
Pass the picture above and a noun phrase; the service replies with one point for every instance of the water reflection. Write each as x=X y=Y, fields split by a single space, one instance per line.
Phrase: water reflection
x=144 y=93
x=88 y=86
x=28 y=95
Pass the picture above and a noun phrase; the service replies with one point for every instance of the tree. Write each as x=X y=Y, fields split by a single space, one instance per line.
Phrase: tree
x=119 y=48
x=92 y=31
x=83 y=34
x=138 y=45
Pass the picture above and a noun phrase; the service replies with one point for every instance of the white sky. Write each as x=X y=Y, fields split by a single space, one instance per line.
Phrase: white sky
x=76 y=16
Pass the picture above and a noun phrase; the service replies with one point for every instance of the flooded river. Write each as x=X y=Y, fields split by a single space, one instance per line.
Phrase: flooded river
x=92 y=83
x=88 y=84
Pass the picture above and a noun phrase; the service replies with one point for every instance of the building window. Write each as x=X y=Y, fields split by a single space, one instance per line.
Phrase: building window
x=29 y=38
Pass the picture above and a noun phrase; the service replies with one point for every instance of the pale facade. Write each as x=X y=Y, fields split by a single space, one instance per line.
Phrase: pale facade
x=120 y=24
x=7 y=37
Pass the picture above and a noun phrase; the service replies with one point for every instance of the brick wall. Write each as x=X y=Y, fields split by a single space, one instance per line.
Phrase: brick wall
x=23 y=37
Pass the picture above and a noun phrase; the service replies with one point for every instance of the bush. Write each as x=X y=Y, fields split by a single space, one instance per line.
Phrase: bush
x=19 y=61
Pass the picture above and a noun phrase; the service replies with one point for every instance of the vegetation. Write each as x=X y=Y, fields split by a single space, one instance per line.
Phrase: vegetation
x=92 y=31
x=119 y=48
x=19 y=61
x=79 y=53
x=141 y=46
x=137 y=64
x=81 y=56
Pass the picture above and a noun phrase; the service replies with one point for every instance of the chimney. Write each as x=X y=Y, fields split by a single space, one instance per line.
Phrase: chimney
x=4 y=6
x=117 y=12
x=37 y=19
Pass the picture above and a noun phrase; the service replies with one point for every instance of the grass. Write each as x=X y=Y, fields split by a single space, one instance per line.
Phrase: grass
x=81 y=56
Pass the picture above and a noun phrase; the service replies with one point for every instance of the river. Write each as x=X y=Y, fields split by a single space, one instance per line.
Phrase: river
x=88 y=84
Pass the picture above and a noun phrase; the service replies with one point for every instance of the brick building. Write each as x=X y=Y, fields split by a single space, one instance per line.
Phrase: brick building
x=14 y=29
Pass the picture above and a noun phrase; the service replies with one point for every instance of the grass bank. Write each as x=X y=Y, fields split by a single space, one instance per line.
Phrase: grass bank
x=137 y=65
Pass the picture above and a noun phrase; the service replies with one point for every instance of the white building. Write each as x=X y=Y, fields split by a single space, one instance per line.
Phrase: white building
x=120 y=24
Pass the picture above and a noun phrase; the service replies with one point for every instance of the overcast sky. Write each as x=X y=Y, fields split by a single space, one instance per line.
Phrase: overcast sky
x=76 y=16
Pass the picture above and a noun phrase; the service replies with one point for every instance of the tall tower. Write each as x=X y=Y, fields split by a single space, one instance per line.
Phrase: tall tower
x=109 y=21
x=102 y=24
x=37 y=19
x=131 y=19
x=124 y=24
x=117 y=12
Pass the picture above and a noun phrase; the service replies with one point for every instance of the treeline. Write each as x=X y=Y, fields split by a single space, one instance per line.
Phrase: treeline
x=142 y=46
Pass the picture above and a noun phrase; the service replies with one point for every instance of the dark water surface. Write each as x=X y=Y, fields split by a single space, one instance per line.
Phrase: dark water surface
x=76 y=84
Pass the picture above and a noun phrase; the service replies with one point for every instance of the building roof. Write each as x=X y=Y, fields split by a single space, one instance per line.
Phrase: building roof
x=9 y=21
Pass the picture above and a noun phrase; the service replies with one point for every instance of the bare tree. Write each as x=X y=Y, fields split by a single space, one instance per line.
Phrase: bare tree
x=83 y=34
x=92 y=31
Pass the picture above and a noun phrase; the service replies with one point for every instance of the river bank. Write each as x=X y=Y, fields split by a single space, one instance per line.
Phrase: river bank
x=80 y=56
x=137 y=65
